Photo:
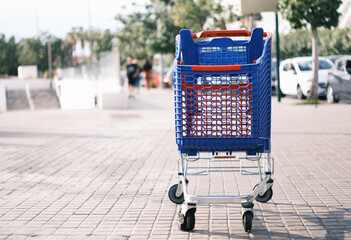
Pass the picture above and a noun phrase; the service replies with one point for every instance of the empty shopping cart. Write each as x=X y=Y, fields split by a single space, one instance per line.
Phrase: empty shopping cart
x=222 y=96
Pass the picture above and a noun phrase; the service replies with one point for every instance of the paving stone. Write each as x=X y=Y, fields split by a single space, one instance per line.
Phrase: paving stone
x=105 y=174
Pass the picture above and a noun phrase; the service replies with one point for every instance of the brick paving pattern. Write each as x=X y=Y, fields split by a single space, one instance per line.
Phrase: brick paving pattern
x=106 y=174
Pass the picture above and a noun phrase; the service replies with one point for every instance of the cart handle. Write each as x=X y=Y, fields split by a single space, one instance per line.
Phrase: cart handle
x=225 y=33
x=211 y=68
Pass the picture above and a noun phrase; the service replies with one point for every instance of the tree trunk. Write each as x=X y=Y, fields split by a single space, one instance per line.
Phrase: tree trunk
x=252 y=21
x=313 y=95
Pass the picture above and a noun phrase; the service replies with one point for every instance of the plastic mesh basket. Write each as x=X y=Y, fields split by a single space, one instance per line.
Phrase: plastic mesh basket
x=222 y=107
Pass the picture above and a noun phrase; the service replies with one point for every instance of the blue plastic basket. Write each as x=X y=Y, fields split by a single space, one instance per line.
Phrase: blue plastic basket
x=222 y=93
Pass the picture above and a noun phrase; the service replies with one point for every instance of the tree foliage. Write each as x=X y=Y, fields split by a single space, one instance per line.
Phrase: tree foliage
x=34 y=51
x=190 y=14
x=135 y=35
x=331 y=42
x=104 y=42
x=8 y=56
x=317 y=13
x=146 y=33
x=153 y=31
x=194 y=15
x=143 y=34
x=335 y=42
x=30 y=51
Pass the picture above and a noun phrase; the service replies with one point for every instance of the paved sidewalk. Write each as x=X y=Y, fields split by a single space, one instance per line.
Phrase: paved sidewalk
x=105 y=175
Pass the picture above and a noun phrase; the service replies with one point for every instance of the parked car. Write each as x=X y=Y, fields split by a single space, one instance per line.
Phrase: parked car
x=296 y=76
x=333 y=58
x=339 y=80
x=167 y=78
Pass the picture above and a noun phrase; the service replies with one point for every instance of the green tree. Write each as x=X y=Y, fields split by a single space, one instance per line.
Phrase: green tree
x=136 y=34
x=57 y=49
x=316 y=13
x=2 y=54
x=161 y=40
x=100 y=42
x=194 y=14
x=67 y=48
x=335 y=42
x=56 y=53
x=93 y=37
x=29 y=51
x=105 y=42
x=8 y=56
x=190 y=14
x=153 y=31
x=77 y=34
x=294 y=44
x=11 y=57
x=34 y=51
x=331 y=42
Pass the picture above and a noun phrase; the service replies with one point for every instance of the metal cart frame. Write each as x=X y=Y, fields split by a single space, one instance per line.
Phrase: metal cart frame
x=253 y=140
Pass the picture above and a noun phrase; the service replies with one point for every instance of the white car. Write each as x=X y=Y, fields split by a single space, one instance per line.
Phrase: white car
x=296 y=76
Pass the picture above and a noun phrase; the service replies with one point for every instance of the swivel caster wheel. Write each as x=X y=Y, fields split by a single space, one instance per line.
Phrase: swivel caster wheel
x=187 y=221
x=266 y=196
x=247 y=221
x=176 y=195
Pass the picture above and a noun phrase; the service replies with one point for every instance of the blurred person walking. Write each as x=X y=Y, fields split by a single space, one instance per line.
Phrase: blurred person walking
x=132 y=71
x=138 y=75
x=148 y=72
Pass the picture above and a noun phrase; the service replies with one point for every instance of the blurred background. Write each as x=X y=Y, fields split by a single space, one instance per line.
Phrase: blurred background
x=72 y=54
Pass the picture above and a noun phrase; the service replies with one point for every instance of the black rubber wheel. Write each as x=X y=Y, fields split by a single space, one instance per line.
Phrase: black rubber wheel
x=247 y=221
x=300 y=94
x=266 y=196
x=187 y=222
x=173 y=197
x=331 y=97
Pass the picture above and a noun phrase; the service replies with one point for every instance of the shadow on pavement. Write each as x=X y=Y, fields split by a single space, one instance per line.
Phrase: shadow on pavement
x=333 y=221
x=10 y=134
x=256 y=234
x=314 y=133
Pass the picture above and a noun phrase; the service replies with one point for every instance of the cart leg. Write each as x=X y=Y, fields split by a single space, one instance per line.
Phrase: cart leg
x=259 y=166
x=267 y=192
x=176 y=192
x=269 y=165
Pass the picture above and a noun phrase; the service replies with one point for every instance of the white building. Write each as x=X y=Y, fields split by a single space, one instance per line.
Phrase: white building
x=28 y=72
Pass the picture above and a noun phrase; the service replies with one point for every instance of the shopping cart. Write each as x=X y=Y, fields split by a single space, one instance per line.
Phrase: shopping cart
x=222 y=91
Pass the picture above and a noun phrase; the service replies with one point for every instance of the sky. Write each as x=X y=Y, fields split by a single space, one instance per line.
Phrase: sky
x=24 y=18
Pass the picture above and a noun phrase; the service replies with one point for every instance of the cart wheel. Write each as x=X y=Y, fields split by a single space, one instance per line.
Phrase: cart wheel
x=300 y=94
x=266 y=196
x=187 y=222
x=247 y=221
x=173 y=196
